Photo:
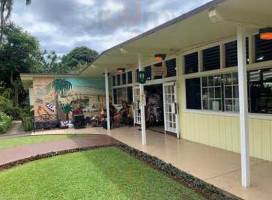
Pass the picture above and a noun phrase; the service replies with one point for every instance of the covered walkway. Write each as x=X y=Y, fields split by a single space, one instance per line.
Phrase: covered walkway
x=218 y=167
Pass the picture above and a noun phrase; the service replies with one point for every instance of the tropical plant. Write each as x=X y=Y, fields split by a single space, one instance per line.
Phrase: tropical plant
x=66 y=109
x=5 y=104
x=6 y=7
x=5 y=122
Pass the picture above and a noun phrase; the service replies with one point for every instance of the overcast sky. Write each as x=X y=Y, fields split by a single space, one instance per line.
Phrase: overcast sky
x=61 y=25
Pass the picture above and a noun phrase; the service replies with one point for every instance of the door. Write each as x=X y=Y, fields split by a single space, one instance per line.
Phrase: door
x=171 y=118
x=136 y=106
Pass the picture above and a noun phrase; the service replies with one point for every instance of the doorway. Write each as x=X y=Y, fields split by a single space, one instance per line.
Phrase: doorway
x=154 y=108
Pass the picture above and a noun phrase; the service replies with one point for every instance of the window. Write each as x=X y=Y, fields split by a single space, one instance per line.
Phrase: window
x=129 y=77
x=121 y=95
x=124 y=78
x=129 y=95
x=113 y=81
x=119 y=79
x=212 y=93
x=193 y=94
x=191 y=63
x=231 y=92
x=148 y=72
x=211 y=58
x=260 y=91
x=115 y=96
x=263 y=51
x=231 y=53
x=171 y=67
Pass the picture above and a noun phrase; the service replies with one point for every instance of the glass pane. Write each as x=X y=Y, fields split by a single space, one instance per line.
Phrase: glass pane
x=228 y=105
x=205 y=93
x=217 y=80
x=228 y=92
x=218 y=92
x=235 y=92
x=227 y=79
x=236 y=105
x=255 y=76
x=235 y=78
x=211 y=92
x=215 y=105
x=205 y=105
x=204 y=82
x=210 y=81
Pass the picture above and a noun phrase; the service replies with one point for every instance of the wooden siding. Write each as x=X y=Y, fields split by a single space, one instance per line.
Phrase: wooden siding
x=223 y=132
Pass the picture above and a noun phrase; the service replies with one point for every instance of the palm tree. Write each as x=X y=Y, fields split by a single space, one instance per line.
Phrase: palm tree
x=66 y=109
x=6 y=7
x=60 y=86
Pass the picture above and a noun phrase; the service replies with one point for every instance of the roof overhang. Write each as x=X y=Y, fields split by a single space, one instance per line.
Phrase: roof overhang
x=209 y=23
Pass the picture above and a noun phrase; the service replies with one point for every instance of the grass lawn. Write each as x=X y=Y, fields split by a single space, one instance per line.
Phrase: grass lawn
x=20 y=141
x=106 y=173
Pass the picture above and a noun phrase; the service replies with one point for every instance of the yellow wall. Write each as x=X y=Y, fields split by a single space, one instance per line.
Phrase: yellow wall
x=223 y=132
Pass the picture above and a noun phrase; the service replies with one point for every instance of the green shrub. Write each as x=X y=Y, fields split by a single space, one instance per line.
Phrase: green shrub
x=14 y=112
x=27 y=117
x=5 y=123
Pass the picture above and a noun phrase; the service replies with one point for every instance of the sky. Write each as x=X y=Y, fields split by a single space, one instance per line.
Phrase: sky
x=62 y=25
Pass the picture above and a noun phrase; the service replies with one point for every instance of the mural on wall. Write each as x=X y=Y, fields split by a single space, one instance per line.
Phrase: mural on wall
x=44 y=101
x=87 y=94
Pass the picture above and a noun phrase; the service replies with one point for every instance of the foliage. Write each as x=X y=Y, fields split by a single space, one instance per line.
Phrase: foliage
x=20 y=53
x=60 y=86
x=106 y=173
x=36 y=139
x=14 y=112
x=6 y=7
x=27 y=117
x=5 y=104
x=5 y=122
x=79 y=57
x=52 y=63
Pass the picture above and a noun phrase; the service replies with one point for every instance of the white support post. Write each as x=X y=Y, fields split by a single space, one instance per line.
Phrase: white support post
x=142 y=104
x=243 y=98
x=107 y=98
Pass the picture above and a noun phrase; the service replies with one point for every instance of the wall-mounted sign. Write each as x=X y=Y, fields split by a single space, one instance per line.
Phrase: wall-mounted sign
x=159 y=71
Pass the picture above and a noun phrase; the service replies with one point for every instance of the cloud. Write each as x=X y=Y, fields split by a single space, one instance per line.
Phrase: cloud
x=61 y=25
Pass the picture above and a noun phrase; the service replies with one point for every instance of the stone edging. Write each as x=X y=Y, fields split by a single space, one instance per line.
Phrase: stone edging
x=207 y=190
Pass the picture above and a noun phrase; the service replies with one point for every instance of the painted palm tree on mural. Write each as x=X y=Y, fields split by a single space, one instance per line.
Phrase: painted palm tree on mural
x=6 y=7
x=60 y=86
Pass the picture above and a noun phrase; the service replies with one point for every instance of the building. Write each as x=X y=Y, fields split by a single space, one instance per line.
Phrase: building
x=216 y=77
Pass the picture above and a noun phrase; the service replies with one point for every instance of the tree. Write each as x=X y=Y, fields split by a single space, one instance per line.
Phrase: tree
x=20 y=53
x=6 y=7
x=66 y=109
x=60 y=86
x=79 y=57
x=52 y=63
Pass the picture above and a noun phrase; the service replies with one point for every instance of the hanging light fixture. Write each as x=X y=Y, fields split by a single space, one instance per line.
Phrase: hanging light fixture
x=160 y=57
x=142 y=77
x=266 y=33
x=120 y=70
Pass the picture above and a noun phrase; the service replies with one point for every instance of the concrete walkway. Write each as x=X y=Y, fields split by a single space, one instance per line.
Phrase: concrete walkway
x=26 y=151
x=218 y=167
